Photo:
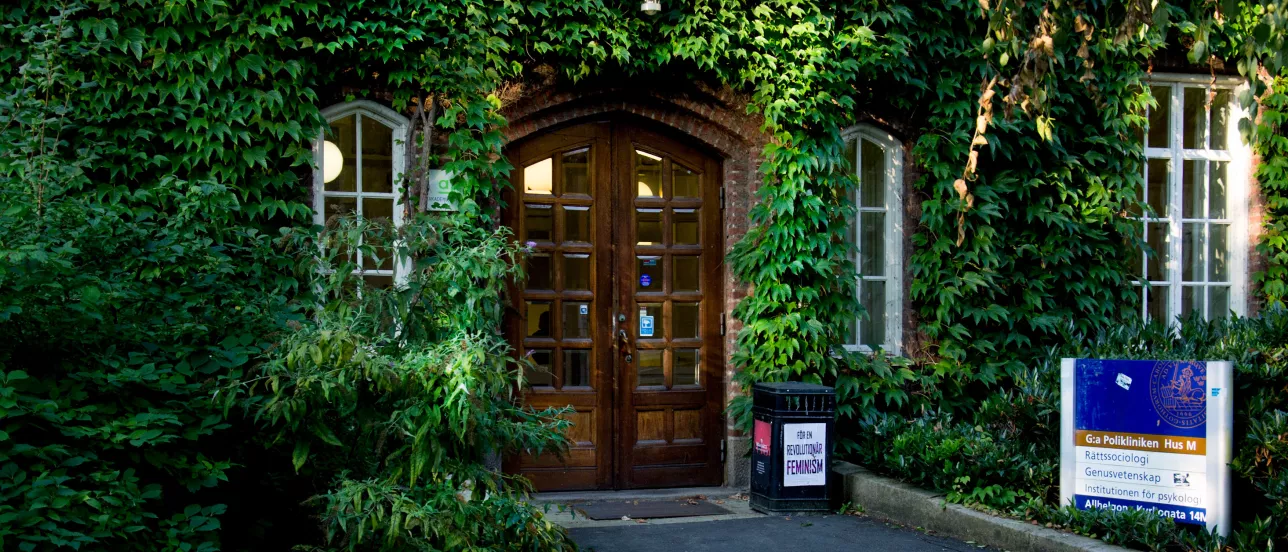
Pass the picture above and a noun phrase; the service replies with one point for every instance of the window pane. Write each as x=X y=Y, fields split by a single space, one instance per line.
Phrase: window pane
x=576 y=368
x=1156 y=303
x=576 y=272
x=648 y=273
x=648 y=174
x=538 y=224
x=684 y=227
x=872 y=244
x=1159 y=116
x=337 y=207
x=576 y=320
x=577 y=224
x=1218 y=302
x=1158 y=240
x=1192 y=200
x=377 y=156
x=1157 y=186
x=1192 y=247
x=1218 y=254
x=872 y=175
x=379 y=212
x=648 y=226
x=379 y=282
x=650 y=368
x=1221 y=119
x=343 y=134
x=538 y=178
x=542 y=375
x=1217 y=171
x=688 y=272
x=685 y=320
x=685 y=182
x=538 y=319
x=872 y=328
x=576 y=172
x=1191 y=300
x=540 y=272
x=685 y=368
x=1195 y=117
x=651 y=321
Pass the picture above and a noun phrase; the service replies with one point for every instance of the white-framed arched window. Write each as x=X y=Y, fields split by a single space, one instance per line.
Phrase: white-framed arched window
x=358 y=171
x=876 y=230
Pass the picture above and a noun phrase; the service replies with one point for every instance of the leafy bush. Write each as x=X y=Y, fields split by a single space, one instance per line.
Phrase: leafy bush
x=1005 y=456
x=393 y=401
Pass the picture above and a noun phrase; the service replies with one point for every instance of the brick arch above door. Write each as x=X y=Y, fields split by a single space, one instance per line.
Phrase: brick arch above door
x=719 y=122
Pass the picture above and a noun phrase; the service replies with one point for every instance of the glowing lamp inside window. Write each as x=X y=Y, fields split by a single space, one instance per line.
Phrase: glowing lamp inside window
x=332 y=161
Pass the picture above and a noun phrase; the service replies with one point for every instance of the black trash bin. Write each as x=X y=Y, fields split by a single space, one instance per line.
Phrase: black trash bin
x=791 y=453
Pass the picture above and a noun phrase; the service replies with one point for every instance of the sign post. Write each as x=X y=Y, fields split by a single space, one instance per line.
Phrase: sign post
x=1150 y=435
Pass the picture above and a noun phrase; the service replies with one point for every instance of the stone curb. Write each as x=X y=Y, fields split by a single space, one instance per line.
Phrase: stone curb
x=899 y=502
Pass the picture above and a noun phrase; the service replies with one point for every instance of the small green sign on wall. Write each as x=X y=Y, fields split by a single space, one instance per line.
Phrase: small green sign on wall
x=440 y=184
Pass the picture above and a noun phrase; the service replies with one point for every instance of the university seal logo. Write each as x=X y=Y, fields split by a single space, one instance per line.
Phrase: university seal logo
x=1177 y=391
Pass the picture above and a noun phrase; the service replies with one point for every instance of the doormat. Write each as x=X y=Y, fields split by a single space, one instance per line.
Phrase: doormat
x=650 y=509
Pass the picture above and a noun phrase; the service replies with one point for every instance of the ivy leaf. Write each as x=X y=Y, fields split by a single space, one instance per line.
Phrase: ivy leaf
x=301 y=453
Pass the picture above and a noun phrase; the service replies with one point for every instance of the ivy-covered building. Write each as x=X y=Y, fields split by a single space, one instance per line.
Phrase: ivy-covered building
x=313 y=263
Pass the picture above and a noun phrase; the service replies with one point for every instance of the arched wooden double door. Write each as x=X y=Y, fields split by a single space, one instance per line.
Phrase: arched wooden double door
x=622 y=306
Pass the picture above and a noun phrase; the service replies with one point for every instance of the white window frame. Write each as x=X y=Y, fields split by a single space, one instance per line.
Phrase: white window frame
x=893 y=211
x=399 y=125
x=1238 y=155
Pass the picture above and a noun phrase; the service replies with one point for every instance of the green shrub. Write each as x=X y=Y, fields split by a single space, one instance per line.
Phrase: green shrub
x=1005 y=455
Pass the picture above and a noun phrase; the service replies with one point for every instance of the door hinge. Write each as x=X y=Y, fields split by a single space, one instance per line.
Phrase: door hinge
x=722 y=198
x=722 y=450
x=722 y=323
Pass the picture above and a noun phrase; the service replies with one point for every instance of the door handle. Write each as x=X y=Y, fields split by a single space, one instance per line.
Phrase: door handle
x=626 y=345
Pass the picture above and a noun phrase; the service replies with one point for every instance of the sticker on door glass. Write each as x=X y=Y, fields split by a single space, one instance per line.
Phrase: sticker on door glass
x=804 y=456
x=645 y=280
x=646 y=324
x=584 y=310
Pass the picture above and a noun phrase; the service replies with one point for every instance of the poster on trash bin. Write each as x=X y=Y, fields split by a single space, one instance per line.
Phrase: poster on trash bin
x=1151 y=435
x=804 y=454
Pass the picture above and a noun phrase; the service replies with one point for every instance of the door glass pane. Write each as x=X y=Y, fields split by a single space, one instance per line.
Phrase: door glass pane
x=1191 y=300
x=685 y=182
x=1218 y=302
x=576 y=272
x=872 y=328
x=1192 y=200
x=872 y=177
x=542 y=374
x=1216 y=188
x=576 y=172
x=648 y=174
x=576 y=320
x=541 y=274
x=685 y=320
x=1221 y=119
x=1156 y=303
x=1195 y=119
x=688 y=272
x=1157 y=187
x=1159 y=116
x=1157 y=240
x=577 y=224
x=538 y=224
x=1218 y=253
x=1192 y=248
x=343 y=135
x=684 y=227
x=648 y=227
x=684 y=371
x=872 y=244
x=650 y=368
x=651 y=321
x=538 y=178
x=377 y=157
x=538 y=320
x=576 y=368
x=648 y=273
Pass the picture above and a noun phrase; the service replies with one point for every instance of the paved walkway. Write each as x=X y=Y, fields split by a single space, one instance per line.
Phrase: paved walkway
x=764 y=534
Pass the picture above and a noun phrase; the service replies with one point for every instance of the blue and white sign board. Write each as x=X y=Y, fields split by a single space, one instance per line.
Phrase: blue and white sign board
x=1149 y=435
x=646 y=324
x=436 y=191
